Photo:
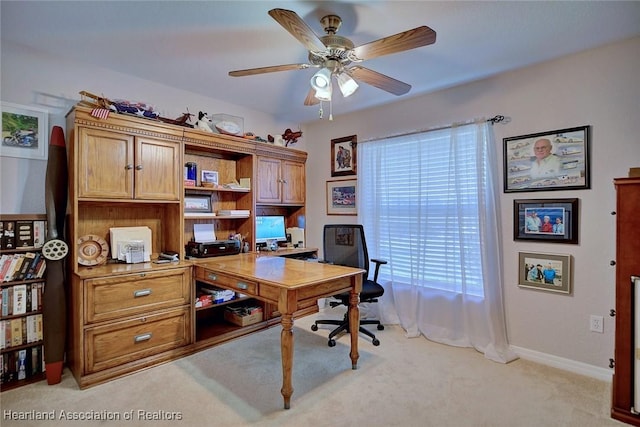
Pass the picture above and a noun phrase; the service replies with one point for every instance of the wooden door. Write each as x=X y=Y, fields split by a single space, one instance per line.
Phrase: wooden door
x=157 y=169
x=105 y=164
x=293 y=182
x=268 y=180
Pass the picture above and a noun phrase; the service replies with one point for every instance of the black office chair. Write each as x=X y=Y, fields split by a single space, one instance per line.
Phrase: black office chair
x=344 y=244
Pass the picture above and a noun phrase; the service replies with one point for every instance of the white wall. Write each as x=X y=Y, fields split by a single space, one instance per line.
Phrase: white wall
x=601 y=88
x=36 y=79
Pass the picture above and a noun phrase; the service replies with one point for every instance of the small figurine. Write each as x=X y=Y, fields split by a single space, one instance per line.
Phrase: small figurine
x=291 y=137
x=204 y=122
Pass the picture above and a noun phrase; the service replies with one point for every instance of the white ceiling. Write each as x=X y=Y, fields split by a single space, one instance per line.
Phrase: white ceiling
x=192 y=45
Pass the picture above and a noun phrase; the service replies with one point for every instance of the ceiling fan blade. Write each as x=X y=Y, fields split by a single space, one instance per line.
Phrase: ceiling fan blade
x=410 y=39
x=298 y=29
x=311 y=98
x=272 y=69
x=378 y=80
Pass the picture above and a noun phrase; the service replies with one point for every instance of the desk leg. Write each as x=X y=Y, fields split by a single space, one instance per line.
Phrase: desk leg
x=354 y=326
x=286 y=347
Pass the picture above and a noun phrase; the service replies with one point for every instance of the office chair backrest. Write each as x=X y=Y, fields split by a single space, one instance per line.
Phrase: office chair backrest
x=344 y=244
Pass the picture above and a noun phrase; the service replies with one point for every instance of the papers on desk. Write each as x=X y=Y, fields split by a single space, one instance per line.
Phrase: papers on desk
x=203 y=233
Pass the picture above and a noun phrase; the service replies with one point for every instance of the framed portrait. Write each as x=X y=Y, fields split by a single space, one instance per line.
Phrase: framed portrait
x=209 y=178
x=24 y=132
x=547 y=272
x=197 y=204
x=546 y=220
x=343 y=156
x=341 y=197
x=555 y=160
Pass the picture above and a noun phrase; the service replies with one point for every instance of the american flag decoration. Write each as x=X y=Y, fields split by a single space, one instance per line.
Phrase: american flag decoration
x=100 y=113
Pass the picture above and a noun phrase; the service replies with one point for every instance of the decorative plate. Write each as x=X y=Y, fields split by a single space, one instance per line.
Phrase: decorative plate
x=92 y=250
x=229 y=128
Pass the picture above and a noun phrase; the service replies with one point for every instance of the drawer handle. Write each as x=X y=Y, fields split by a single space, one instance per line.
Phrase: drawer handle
x=142 y=337
x=142 y=293
x=212 y=276
x=242 y=285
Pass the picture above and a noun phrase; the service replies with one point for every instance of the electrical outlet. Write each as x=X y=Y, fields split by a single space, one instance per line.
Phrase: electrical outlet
x=596 y=324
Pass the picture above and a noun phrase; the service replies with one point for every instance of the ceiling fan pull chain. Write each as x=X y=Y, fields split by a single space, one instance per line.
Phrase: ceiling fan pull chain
x=320 y=112
x=331 y=110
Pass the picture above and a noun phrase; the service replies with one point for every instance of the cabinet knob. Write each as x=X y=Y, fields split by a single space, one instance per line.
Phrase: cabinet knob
x=142 y=337
x=129 y=167
x=138 y=167
x=242 y=285
x=142 y=293
x=284 y=181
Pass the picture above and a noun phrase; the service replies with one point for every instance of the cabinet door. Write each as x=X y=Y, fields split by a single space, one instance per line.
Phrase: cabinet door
x=157 y=169
x=293 y=182
x=268 y=180
x=105 y=164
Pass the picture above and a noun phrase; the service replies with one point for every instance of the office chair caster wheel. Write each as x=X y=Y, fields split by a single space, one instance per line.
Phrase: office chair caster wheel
x=375 y=342
x=314 y=327
x=332 y=343
x=381 y=327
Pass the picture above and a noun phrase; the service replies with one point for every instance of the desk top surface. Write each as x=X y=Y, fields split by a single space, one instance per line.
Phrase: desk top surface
x=278 y=271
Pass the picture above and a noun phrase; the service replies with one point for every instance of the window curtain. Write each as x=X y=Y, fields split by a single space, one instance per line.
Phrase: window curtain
x=429 y=205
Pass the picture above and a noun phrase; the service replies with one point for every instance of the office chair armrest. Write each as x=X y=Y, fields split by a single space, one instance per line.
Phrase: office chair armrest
x=378 y=263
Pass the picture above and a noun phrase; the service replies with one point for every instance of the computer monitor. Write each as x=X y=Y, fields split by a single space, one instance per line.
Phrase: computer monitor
x=270 y=227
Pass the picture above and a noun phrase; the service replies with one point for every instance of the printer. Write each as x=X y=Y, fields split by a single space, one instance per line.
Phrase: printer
x=213 y=248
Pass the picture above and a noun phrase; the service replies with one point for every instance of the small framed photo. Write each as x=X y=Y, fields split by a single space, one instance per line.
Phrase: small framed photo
x=546 y=220
x=547 y=272
x=555 y=160
x=341 y=197
x=24 y=132
x=209 y=178
x=343 y=156
x=197 y=204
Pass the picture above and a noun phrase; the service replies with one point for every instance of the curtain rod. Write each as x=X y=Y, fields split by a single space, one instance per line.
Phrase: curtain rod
x=495 y=119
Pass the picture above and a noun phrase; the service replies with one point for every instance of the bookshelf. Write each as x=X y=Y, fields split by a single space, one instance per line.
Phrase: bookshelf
x=22 y=270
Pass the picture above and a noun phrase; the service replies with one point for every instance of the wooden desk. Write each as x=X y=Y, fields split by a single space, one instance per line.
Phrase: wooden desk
x=290 y=284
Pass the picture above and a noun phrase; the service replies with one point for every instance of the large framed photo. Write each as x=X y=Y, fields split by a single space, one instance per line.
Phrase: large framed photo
x=341 y=197
x=547 y=220
x=547 y=272
x=343 y=156
x=24 y=132
x=555 y=160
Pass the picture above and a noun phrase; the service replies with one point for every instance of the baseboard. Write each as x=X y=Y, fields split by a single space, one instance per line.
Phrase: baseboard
x=601 y=374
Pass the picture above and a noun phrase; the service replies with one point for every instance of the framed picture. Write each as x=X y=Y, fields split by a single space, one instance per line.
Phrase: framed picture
x=343 y=156
x=341 y=197
x=209 y=177
x=24 y=132
x=200 y=204
x=546 y=220
x=548 y=272
x=556 y=160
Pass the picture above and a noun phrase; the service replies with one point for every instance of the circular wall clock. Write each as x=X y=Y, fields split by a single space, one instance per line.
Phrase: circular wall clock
x=92 y=250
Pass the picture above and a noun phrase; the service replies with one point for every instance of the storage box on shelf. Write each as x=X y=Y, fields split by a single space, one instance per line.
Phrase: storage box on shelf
x=22 y=271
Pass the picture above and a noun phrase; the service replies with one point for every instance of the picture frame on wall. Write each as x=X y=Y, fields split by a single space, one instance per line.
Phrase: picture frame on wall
x=24 y=131
x=341 y=197
x=343 y=156
x=546 y=220
x=546 y=272
x=554 y=160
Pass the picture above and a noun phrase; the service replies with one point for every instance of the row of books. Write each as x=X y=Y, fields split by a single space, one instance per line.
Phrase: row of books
x=21 y=364
x=21 y=299
x=21 y=330
x=22 y=234
x=22 y=266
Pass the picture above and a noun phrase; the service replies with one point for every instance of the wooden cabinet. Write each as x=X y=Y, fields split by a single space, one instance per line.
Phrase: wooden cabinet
x=21 y=286
x=627 y=265
x=280 y=181
x=118 y=165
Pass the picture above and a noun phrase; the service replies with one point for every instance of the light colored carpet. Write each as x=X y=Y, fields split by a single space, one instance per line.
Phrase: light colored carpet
x=403 y=382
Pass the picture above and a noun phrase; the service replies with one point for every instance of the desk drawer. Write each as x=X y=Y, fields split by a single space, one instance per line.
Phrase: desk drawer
x=134 y=294
x=121 y=342
x=227 y=282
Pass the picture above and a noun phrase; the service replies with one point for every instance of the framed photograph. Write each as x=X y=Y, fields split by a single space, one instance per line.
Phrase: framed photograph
x=199 y=204
x=24 y=132
x=555 y=160
x=341 y=197
x=547 y=272
x=343 y=156
x=209 y=178
x=546 y=220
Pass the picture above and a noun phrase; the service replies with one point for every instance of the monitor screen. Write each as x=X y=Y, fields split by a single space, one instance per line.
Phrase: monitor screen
x=270 y=227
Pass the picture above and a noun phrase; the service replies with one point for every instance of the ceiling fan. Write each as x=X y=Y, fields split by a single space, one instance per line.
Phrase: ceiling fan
x=336 y=56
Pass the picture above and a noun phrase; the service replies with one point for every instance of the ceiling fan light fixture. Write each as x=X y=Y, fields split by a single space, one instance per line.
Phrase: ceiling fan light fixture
x=347 y=85
x=321 y=80
x=324 y=94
